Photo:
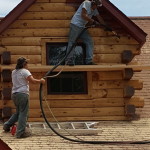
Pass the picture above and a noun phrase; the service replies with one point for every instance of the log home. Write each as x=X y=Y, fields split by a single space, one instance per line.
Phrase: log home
x=38 y=30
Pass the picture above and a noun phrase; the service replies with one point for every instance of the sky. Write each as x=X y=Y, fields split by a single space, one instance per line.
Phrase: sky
x=128 y=7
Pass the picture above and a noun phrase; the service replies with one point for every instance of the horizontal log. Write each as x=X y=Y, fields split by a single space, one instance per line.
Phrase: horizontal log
x=36 y=41
x=93 y=103
x=46 y=15
x=107 y=75
x=138 y=102
x=126 y=74
x=88 y=68
x=115 y=49
x=21 y=41
x=107 y=58
x=52 y=7
x=50 y=32
x=100 y=118
x=35 y=24
x=74 y=112
x=113 y=40
x=117 y=84
x=33 y=59
x=107 y=93
x=24 y=50
x=73 y=103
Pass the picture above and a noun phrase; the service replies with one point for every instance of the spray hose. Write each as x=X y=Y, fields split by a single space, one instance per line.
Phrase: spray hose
x=62 y=136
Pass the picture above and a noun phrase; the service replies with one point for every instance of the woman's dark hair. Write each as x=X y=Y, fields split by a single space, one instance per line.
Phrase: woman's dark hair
x=21 y=62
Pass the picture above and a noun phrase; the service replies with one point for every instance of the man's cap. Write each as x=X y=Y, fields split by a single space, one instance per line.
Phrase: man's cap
x=97 y=2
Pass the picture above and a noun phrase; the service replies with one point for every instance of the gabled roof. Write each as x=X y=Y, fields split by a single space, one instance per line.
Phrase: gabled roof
x=130 y=27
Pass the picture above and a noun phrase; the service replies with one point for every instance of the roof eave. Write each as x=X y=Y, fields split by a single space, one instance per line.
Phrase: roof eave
x=14 y=14
x=127 y=24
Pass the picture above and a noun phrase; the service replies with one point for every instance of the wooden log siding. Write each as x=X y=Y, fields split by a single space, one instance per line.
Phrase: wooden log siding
x=48 y=21
x=100 y=102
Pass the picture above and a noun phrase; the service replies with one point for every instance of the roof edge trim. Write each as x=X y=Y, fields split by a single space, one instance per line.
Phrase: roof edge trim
x=130 y=26
x=14 y=14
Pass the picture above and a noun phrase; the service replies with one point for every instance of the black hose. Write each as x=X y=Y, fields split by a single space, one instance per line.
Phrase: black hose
x=64 y=137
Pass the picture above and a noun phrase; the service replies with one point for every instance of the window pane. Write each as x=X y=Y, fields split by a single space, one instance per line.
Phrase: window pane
x=68 y=83
x=57 y=51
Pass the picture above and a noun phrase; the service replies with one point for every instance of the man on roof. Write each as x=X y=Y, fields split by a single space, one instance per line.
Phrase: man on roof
x=84 y=15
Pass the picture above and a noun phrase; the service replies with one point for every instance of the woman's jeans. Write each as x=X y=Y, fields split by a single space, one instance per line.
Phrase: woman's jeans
x=85 y=37
x=21 y=101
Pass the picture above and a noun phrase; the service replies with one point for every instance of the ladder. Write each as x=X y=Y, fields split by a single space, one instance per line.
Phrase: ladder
x=74 y=128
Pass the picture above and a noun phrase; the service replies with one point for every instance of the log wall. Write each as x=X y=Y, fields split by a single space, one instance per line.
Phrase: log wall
x=110 y=93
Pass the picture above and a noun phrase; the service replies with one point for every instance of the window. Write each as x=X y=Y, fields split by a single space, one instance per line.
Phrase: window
x=56 y=51
x=68 y=83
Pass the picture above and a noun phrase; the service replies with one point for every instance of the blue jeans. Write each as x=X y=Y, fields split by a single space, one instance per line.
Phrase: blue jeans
x=21 y=101
x=85 y=37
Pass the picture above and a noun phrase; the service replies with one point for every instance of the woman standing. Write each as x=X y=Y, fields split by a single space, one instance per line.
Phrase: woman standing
x=21 y=77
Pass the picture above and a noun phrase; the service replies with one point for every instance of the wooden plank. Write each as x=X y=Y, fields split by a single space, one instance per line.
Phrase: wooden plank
x=36 y=41
x=21 y=41
x=107 y=58
x=136 y=101
x=115 y=49
x=117 y=84
x=100 y=118
x=109 y=93
x=62 y=103
x=52 y=7
x=52 y=32
x=113 y=40
x=24 y=50
x=34 y=59
x=107 y=75
x=46 y=16
x=71 y=103
x=88 y=68
x=74 y=112
x=25 y=24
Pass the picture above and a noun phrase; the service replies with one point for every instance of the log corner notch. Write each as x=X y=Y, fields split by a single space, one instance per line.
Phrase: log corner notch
x=128 y=73
x=128 y=91
x=126 y=56
x=130 y=112
x=6 y=94
x=6 y=75
x=6 y=112
x=6 y=58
